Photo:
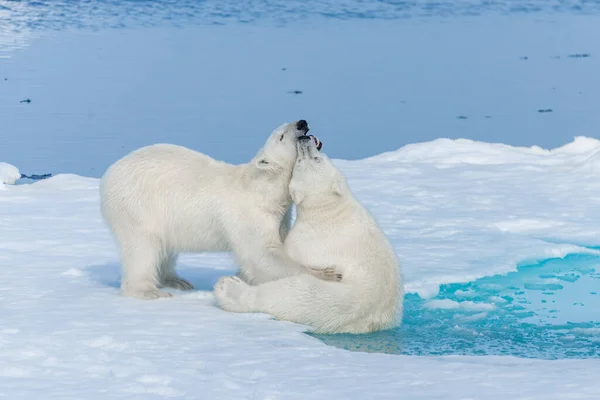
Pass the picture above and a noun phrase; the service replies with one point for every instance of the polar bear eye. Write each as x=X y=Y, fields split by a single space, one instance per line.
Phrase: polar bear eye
x=281 y=137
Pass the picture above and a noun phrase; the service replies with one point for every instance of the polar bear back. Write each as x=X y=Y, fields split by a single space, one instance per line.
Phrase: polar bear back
x=162 y=186
x=349 y=239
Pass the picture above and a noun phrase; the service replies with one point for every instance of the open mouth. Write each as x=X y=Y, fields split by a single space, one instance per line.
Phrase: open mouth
x=315 y=140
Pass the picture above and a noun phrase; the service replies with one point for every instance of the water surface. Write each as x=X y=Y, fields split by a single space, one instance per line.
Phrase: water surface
x=549 y=310
x=84 y=82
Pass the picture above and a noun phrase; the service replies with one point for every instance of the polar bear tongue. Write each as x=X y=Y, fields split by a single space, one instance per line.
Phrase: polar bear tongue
x=317 y=141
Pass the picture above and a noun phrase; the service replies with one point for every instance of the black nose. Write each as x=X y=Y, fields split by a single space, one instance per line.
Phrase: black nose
x=302 y=125
x=304 y=137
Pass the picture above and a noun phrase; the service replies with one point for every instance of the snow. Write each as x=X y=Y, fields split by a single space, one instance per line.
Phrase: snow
x=582 y=152
x=448 y=304
x=9 y=174
x=67 y=333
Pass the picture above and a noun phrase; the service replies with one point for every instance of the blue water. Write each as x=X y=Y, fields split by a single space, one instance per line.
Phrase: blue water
x=85 y=82
x=549 y=310
x=57 y=14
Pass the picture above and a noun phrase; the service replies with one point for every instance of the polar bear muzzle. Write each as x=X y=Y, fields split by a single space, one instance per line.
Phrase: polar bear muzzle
x=302 y=125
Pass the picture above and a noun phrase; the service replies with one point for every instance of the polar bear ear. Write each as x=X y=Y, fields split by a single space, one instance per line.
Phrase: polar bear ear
x=263 y=163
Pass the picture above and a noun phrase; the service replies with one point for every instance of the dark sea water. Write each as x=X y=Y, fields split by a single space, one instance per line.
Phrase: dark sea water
x=84 y=82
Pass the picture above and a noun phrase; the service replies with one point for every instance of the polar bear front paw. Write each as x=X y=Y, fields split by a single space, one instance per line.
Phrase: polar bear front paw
x=228 y=292
x=178 y=283
x=326 y=274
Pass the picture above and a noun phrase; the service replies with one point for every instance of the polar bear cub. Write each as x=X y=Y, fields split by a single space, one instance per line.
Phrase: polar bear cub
x=332 y=229
x=164 y=199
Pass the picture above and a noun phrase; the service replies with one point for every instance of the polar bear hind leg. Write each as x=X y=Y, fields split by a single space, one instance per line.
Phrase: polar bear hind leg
x=327 y=307
x=168 y=275
x=141 y=257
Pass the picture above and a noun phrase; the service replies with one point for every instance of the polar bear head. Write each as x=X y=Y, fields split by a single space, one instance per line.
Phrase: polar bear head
x=315 y=180
x=279 y=152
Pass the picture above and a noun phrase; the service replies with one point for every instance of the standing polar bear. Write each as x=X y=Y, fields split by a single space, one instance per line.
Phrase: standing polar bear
x=164 y=199
x=332 y=229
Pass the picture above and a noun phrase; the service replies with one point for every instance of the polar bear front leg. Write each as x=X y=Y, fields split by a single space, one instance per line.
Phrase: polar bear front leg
x=168 y=275
x=260 y=263
x=231 y=294
x=326 y=274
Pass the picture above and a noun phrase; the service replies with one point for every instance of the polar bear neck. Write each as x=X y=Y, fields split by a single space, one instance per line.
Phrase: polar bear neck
x=271 y=187
x=332 y=209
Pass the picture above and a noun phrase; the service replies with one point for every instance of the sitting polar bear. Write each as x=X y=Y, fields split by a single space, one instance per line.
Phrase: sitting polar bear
x=332 y=229
x=164 y=199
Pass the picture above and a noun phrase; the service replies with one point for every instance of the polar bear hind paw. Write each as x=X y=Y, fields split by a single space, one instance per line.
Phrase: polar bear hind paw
x=147 y=294
x=228 y=292
x=178 y=283
x=326 y=274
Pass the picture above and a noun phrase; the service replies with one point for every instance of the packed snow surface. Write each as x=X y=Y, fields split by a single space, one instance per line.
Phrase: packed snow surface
x=454 y=210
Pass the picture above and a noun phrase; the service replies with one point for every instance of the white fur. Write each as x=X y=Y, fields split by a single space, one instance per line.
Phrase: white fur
x=164 y=199
x=332 y=229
